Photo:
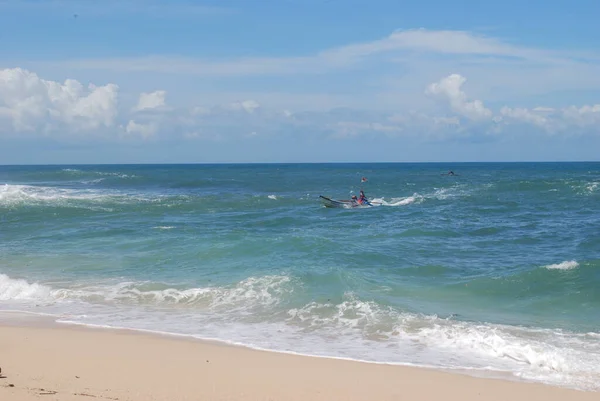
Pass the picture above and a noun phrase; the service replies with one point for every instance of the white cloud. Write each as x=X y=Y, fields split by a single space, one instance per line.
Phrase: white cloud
x=386 y=73
x=31 y=103
x=540 y=109
x=414 y=43
x=151 y=100
x=200 y=110
x=450 y=89
x=583 y=116
x=43 y=107
x=571 y=120
x=249 y=106
x=446 y=121
x=143 y=130
x=200 y=134
x=535 y=117
x=447 y=42
x=348 y=129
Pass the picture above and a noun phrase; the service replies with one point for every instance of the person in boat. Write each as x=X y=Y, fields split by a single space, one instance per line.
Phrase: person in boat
x=451 y=172
x=354 y=200
x=362 y=199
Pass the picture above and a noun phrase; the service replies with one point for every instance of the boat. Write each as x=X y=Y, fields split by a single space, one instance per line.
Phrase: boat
x=345 y=204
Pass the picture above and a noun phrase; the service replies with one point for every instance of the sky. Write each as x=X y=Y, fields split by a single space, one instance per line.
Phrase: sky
x=209 y=81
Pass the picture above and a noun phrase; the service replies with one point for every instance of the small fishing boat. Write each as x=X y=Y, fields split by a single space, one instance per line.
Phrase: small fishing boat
x=345 y=204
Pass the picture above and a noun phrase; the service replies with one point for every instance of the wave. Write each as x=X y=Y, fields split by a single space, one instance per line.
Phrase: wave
x=263 y=312
x=92 y=182
x=556 y=187
x=17 y=289
x=566 y=265
x=251 y=291
x=450 y=192
x=591 y=187
x=78 y=172
x=402 y=201
x=12 y=195
x=417 y=198
x=16 y=195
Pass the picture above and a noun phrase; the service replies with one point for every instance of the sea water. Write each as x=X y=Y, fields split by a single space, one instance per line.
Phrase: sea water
x=495 y=270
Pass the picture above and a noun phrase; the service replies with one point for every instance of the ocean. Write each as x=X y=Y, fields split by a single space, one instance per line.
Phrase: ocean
x=493 y=272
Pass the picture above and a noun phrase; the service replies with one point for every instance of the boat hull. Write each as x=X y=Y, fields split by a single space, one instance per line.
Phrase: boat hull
x=340 y=204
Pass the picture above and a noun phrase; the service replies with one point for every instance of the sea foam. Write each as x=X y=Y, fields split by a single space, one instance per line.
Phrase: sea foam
x=256 y=312
x=566 y=265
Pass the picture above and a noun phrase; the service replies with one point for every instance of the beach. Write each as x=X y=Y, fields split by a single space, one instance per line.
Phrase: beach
x=335 y=204
x=55 y=362
x=493 y=272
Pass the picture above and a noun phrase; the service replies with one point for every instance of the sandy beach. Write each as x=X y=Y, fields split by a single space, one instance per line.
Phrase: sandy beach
x=56 y=362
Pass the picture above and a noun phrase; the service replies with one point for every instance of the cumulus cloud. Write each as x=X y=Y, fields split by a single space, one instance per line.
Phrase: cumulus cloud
x=31 y=103
x=450 y=89
x=446 y=122
x=583 y=116
x=152 y=100
x=143 y=130
x=536 y=116
x=249 y=106
x=569 y=120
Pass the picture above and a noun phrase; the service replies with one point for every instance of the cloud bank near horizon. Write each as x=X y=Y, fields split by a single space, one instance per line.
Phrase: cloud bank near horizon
x=31 y=106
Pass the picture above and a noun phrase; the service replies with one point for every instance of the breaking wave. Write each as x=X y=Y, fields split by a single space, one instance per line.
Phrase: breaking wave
x=262 y=312
x=78 y=172
x=566 y=265
x=251 y=291
x=12 y=195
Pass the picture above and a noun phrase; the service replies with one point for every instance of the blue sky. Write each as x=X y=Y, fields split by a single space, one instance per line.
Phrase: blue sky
x=298 y=80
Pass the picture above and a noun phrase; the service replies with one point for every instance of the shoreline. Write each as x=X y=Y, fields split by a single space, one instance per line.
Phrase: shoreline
x=36 y=319
x=52 y=321
x=128 y=364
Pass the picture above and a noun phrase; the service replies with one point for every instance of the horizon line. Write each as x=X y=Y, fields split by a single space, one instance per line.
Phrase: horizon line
x=280 y=163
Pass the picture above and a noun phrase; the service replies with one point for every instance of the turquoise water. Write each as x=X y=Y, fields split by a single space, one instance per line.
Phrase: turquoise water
x=494 y=270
